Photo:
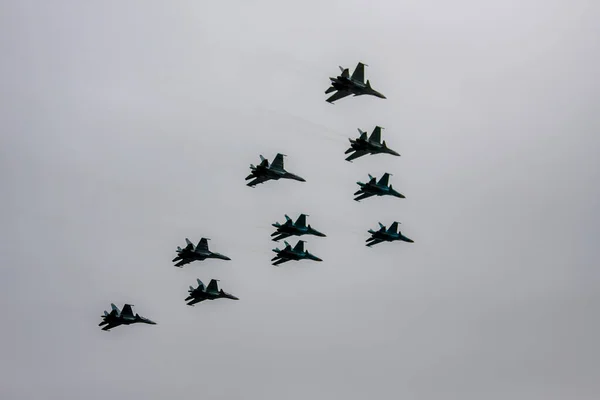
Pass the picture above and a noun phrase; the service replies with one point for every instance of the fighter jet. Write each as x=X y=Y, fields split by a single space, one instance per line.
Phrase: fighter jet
x=297 y=228
x=373 y=188
x=264 y=172
x=383 y=235
x=198 y=253
x=125 y=317
x=371 y=145
x=211 y=292
x=355 y=84
x=288 y=254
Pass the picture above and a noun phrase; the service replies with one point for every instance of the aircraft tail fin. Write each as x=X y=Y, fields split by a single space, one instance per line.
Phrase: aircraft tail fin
x=345 y=72
x=301 y=221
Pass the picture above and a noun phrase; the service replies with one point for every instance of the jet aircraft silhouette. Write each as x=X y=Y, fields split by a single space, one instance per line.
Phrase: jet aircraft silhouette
x=211 y=292
x=295 y=254
x=389 y=235
x=264 y=172
x=198 y=253
x=125 y=317
x=345 y=85
x=371 y=145
x=374 y=188
x=297 y=228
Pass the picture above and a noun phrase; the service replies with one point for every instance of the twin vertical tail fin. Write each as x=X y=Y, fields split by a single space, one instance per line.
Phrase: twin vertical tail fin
x=345 y=72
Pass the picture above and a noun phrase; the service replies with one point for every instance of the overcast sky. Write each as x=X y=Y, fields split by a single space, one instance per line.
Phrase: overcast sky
x=127 y=126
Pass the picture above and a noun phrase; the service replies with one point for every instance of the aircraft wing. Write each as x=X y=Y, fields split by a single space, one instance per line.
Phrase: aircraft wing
x=359 y=73
x=301 y=221
x=195 y=300
x=281 y=261
x=393 y=228
x=376 y=135
x=258 y=180
x=374 y=242
x=338 y=95
x=299 y=247
x=213 y=286
x=356 y=154
x=183 y=262
x=281 y=236
x=384 y=181
x=111 y=325
x=127 y=312
x=277 y=162
x=364 y=196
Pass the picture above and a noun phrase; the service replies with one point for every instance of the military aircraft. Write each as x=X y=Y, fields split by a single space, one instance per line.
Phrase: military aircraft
x=371 y=145
x=373 y=188
x=345 y=85
x=124 y=317
x=297 y=228
x=297 y=253
x=198 y=253
x=389 y=235
x=210 y=292
x=264 y=172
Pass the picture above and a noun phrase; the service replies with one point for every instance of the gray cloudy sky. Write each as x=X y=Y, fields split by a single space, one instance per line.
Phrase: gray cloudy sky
x=127 y=126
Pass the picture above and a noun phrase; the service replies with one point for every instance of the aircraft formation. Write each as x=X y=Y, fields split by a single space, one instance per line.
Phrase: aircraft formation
x=343 y=85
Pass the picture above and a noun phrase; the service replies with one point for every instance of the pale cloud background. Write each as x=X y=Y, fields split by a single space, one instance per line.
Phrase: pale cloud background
x=127 y=126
